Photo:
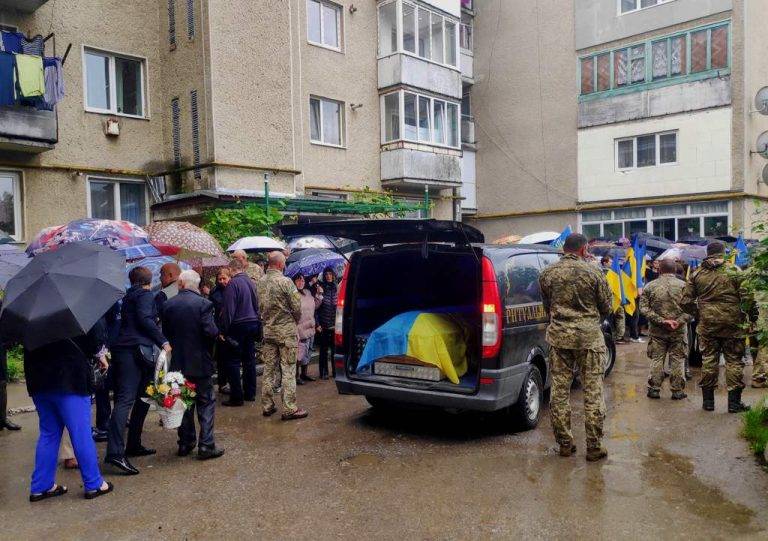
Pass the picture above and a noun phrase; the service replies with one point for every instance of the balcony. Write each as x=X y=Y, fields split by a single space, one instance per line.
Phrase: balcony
x=468 y=130
x=404 y=69
x=25 y=129
x=467 y=61
x=411 y=167
x=468 y=183
x=24 y=6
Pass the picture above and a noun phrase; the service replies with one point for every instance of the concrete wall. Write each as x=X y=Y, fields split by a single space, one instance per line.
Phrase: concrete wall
x=409 y=70
x=407 y=163
x=598 y=21
x=525 y=109
x=703 y=158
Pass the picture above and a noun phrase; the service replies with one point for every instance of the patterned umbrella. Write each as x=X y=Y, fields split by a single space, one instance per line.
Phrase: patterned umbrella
x=125 y=237
x=153 y=264
x=313 y=261
x=192 y=241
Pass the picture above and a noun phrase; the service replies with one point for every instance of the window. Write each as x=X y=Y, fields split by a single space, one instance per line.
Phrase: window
x=114 y=84
x=323 y=23
x=172 y=23
x=672 y=222
x=176 y=132
x=646 y=150
x=424 y=119
x=701 y=51
x=326 y=121
x=466 y=104
x=521 y=274
x=195 y=115
x=10 y=206
x=425 y=33
x=628 y=6
x=118 y=200
x=465 y=36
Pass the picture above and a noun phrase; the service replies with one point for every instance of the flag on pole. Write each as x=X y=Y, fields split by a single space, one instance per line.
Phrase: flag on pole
x=639 y=267
x=741 y=251
x=613 y=276
x=559 y=241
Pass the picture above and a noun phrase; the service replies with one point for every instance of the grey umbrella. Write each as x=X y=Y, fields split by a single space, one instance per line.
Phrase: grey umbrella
x=61 y=294
x=12 y=260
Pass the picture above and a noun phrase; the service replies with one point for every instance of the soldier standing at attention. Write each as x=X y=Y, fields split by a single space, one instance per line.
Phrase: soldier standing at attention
x=714 y=295
x=577 y=299
x=280 y=308
x=660 y=304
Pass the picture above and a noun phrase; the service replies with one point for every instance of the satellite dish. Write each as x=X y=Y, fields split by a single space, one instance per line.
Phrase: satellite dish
x=765 y=174
x=762 y=145
x=761 y=101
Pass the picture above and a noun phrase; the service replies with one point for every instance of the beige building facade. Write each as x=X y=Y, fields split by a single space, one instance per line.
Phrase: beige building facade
x=173 y=107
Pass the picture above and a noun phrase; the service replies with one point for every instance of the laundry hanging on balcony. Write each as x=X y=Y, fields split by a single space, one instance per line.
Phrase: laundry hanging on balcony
x=16 y=42
x=7 y=93
x=30 y=77
x=33 y=79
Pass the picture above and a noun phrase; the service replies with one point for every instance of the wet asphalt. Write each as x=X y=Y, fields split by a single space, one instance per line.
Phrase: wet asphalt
x=674 y=471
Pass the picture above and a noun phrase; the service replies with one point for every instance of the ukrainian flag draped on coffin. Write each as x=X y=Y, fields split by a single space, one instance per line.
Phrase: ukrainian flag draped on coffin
x=436 y=339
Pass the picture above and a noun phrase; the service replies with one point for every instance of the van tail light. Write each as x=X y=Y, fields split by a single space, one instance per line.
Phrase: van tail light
x=491 y=312
x=338 y=337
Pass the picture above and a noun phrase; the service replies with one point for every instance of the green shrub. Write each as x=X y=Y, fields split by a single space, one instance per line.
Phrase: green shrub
x=15 y=364
x=755 y=427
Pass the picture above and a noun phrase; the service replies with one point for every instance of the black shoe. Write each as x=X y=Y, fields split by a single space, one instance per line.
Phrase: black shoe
x=299 y=381
x=207 y=453
x=99 y=435
x=708 y=399
x=140 y=451
x=232 y=403
x=735 y=405
x=679 y=395
x=58 y=491
x=306 y=377
x=250 y=399
x=122 y=464
x=9 y=425
x=688 y=375
x=91 y=494
x=653 y=393
x=184 y=450
x=269 y=412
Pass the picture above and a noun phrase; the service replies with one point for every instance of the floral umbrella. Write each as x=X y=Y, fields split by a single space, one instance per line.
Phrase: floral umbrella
x=122 y=236
x=192 y=241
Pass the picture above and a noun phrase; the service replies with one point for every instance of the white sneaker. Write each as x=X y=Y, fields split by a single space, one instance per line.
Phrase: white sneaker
x=637 y=340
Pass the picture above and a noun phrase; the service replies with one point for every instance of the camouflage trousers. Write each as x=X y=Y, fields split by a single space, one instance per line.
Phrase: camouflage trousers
x=760 y=367
x=279 y=362
x=564 y=363
x=676 y=346
x=619 y=324
x=733 y=350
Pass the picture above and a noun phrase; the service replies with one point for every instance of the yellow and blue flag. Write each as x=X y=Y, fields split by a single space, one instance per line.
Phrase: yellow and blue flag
x=559 y=241
x=613 y=276
x=740 y=249
x=636 y=257
x=629 y=285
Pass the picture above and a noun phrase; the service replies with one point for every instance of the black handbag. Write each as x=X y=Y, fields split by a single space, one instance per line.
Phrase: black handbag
x=146 y=356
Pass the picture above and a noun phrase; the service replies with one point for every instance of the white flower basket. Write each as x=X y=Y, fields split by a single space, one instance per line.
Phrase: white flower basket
x=171 y=417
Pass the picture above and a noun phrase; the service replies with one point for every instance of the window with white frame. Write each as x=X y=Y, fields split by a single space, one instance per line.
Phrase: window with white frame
x=646 y=150
x=112 y=199
x=418 y=31
x=628 y=6
x=114 y=84
x=414 y=117
x=10 y=206
x=465 y=36
x=326 y=121
x=672 y=222
x=324 y=23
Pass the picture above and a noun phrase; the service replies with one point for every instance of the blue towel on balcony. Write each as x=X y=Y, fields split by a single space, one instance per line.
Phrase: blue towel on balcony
x=7 y=94
x=11 y=41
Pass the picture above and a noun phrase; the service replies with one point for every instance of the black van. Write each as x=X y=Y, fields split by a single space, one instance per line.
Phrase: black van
x=411 y=265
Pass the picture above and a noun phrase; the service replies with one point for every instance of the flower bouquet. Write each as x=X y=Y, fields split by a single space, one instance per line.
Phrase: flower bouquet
x=172 y=394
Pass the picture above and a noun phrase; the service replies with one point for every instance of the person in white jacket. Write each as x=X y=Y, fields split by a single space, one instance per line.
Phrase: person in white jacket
x=306 y=327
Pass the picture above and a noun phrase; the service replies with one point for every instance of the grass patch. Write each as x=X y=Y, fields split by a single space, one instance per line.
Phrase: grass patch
x=755 y=427
x=15 y=363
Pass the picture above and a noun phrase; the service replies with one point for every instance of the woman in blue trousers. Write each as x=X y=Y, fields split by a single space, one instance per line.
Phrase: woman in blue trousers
x=58 y=381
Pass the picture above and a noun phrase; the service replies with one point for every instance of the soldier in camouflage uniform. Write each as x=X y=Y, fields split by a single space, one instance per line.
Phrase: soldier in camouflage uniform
x=577 y=299
x=660 y=304
x=715 y=296
x=759 y=354
x=280 y=308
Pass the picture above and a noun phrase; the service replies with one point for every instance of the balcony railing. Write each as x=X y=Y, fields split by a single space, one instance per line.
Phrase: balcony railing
x=24 y=6
x=26 y=129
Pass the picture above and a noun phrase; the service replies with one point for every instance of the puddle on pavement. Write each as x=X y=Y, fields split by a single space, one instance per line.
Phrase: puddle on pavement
x=673 y=474
x=360 y=460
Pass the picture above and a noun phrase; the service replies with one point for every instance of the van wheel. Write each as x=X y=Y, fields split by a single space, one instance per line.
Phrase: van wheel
x=527 y=411
x=610 y=359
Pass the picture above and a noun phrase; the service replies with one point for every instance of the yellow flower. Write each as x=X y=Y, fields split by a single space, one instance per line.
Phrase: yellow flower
x=150 y=390
x=163 y=388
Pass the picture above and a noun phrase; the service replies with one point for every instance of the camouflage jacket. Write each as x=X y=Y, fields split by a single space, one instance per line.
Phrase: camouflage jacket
x=280 y=307
x=661 y=300
x=715 y=296
x=254 y=272
x=576 y=298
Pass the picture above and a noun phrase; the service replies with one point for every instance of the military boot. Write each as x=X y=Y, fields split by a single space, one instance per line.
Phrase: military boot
x=567 y=449
x=653 y=393
x=708 y=402
x=596 y=453
x=4 y=422
x=678 y=395
x=735 y=405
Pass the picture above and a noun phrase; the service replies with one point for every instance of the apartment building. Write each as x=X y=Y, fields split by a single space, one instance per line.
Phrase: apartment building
x=667 y=125
x=173 y=107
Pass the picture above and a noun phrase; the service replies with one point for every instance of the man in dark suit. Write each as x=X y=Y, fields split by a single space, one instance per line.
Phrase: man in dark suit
x=188 y=323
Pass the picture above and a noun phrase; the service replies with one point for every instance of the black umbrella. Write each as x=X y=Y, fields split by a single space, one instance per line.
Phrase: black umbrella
x=61 y=294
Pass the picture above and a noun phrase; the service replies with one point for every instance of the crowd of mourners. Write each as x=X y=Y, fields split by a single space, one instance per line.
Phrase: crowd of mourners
x=216 y=335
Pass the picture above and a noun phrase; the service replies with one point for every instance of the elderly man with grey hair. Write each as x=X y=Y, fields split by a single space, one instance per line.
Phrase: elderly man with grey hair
x=189 y=325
